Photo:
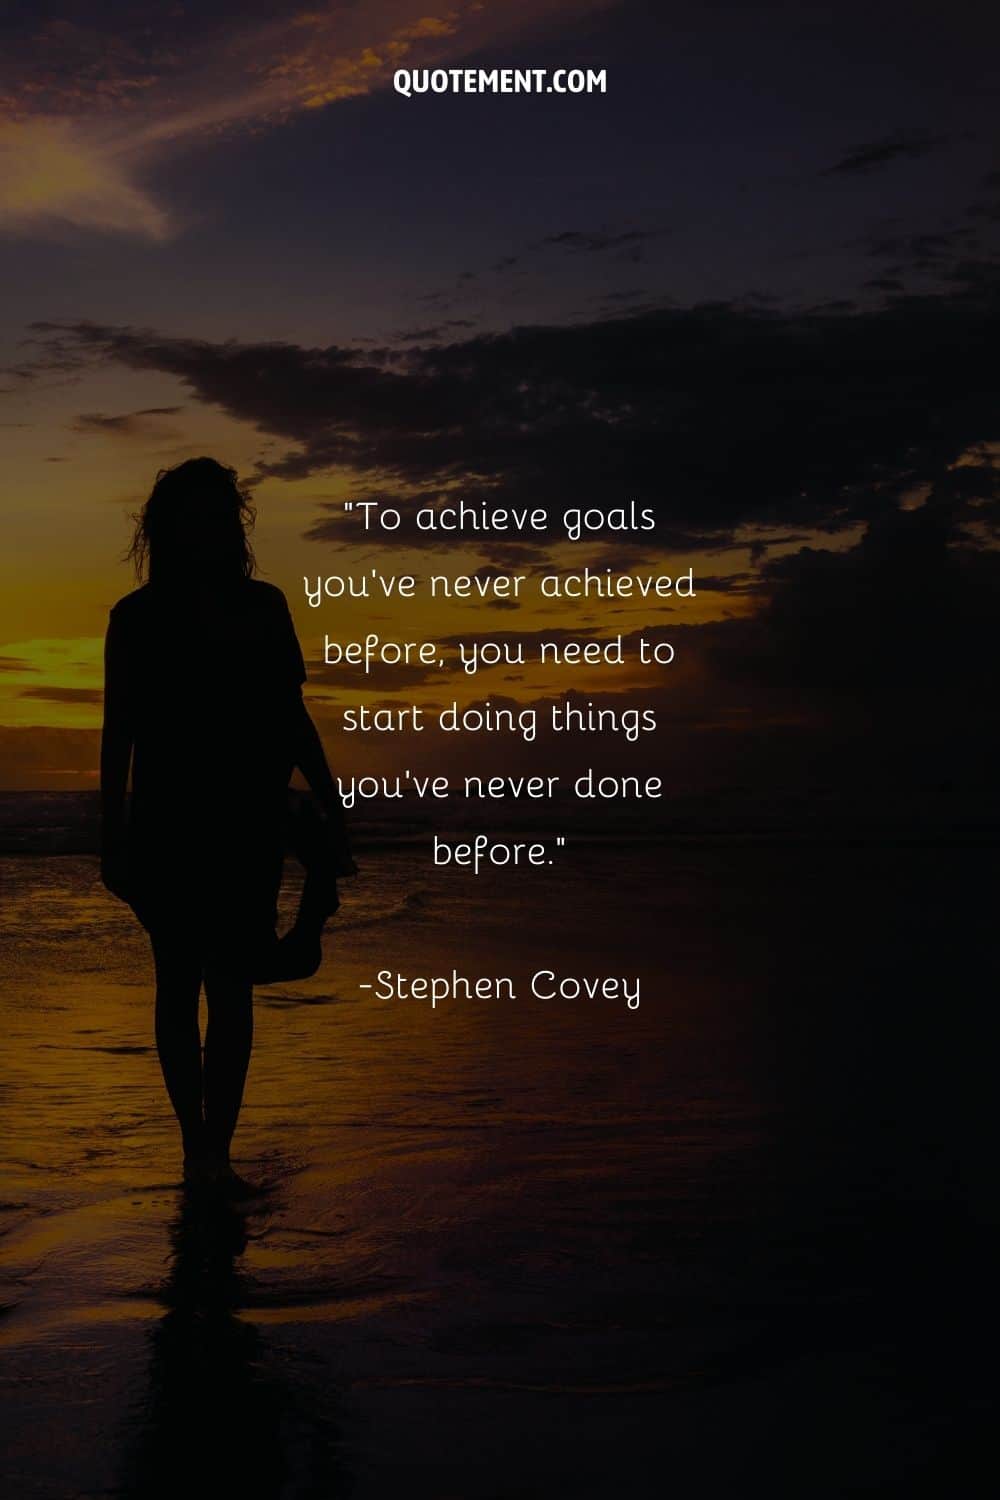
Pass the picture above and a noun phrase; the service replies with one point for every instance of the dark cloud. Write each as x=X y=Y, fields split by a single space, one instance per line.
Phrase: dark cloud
x=924 y=251
x=720 y=417
x=63 y=694
x=592 y=241
x=613 y=299
x=972 y=272
x=726 y=583
x=759 y=548
x=125 y=424
x=434 y=331
x=413 y=335
x=385 y=677
x=869 y=155
x=883 y=652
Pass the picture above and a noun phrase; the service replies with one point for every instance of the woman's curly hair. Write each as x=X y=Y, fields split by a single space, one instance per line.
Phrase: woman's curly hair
x=196 y=522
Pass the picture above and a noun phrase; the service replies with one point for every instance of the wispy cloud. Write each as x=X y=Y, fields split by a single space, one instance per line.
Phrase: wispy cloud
x=128 y=424
x=869 y=155
x=84 y=115
x=58 y=172
x=63 y=694
x=596 y=240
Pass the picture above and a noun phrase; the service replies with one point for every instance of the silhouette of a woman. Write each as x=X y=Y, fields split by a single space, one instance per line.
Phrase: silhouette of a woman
x=203 y=702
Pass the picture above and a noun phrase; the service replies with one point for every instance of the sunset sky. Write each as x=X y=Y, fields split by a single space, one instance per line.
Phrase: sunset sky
x=754 y=285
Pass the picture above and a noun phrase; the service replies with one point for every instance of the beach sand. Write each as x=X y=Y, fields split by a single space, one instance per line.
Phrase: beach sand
x=512 y=1247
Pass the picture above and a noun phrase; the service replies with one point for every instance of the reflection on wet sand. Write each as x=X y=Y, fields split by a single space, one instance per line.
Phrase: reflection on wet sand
x=221 y=1416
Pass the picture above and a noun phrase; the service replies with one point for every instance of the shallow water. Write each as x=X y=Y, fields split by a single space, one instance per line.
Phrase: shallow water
x=510 y=1247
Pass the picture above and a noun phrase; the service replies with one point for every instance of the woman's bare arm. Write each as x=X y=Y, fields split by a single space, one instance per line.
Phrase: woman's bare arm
x=310 y=758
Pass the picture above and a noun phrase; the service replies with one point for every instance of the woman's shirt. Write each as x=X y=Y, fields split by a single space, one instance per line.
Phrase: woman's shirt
x=209 y=685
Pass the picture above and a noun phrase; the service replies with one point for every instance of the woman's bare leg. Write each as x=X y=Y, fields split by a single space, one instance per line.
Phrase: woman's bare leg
x=178 y=985
x=228 y=1042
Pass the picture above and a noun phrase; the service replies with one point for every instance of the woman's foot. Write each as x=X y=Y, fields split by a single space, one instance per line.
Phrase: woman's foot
x=236 y=1188
x=212 y=1172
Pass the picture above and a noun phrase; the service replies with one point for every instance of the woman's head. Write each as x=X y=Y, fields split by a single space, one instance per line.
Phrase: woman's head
x=194 y=526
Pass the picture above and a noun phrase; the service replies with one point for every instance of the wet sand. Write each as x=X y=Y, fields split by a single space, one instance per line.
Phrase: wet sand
x=513 y=1247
